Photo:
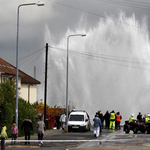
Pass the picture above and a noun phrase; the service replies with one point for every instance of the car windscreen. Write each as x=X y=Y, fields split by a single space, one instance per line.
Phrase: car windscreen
x=76 y=118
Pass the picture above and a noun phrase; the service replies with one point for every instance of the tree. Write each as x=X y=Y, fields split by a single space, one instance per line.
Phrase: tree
x=8 y=107
x=7 y=103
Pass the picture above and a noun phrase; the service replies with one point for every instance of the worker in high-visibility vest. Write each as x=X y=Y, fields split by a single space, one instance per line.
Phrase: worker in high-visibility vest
x=118 y=120
x=132 y=119
x=147 y=119
x=112 y=120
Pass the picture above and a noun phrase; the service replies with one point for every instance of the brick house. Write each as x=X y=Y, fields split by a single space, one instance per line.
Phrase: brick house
x=26 y=83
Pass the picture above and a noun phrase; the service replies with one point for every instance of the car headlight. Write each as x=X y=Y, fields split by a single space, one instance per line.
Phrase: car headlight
x=82 y=124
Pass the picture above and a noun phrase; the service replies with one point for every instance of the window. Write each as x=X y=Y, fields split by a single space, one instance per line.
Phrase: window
x=76 y=118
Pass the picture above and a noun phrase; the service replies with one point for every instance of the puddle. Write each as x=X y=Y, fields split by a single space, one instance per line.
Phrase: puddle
x=146 y=144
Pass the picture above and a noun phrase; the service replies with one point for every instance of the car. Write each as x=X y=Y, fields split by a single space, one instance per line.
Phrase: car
x=79 y=120
x=135 y=127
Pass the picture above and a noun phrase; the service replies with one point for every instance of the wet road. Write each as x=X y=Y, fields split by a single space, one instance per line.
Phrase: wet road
x=109 y=140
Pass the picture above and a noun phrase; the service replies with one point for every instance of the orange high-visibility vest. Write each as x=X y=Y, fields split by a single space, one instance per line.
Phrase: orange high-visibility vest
x=118 y=118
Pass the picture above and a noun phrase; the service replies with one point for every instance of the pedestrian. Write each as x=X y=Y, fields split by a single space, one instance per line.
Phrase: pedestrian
x=143 y=119
x=118 y=120
x=112 y=120
x=40 y=130
x=101 y=118
x=14 y=132
x=58 y=121
x=37 y=122
x=139 y=117
x=4 y=134
x=106 y=118
x=63 y=120
x=97 y=124
x=27 y=125
x=73 y=110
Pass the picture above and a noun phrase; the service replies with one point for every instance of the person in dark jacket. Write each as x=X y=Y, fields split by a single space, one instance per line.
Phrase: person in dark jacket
x=57 y=121
x=27 y=125
x=101 y=118
x=106 y=118
x=139 y=116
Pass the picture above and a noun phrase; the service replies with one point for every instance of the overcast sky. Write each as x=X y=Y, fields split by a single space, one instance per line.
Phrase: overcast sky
x=56 y=20
x=57 y=16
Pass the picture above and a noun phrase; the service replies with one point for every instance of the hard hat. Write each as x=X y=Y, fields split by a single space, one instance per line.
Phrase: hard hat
x=132 y=115
x=148 y=115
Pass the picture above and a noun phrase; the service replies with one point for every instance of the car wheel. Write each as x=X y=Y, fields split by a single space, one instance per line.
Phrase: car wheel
x=143 y=130
x=69 y=130
x=148 y=130
x=126 y=129
x=135 y=130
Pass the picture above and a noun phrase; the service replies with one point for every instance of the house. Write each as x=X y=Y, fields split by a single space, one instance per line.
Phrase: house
x=26 y=83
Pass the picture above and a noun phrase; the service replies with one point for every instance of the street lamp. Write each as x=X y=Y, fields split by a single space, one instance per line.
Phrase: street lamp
x=38 y=4
x=67 y=77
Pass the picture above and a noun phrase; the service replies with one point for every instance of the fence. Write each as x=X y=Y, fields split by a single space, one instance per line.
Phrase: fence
x=51 y=111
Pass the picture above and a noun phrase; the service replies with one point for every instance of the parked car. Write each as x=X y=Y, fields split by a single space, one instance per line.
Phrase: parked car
x=79 y=120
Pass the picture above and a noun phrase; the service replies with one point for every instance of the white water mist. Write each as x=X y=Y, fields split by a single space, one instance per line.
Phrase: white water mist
x=109 y=69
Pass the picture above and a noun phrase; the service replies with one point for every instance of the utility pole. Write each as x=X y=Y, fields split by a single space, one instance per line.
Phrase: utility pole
x=45 y=92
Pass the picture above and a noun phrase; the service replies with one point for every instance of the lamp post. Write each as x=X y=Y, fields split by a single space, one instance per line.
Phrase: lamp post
x=17 y=43
x=67 y=77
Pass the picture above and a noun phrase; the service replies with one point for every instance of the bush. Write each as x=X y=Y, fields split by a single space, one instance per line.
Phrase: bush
x=25 y=109
x=8 y=107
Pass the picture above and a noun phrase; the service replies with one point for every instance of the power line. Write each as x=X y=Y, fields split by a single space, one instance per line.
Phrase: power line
x=130 y=4
x=124 y=59
x=97 y=14
x=32 y=62
x=112 y=59
x=25 y=58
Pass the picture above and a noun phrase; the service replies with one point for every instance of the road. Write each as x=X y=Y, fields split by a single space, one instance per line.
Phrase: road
x=109 y=140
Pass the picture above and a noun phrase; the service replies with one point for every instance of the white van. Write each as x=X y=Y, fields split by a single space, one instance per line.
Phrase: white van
x=79 y=120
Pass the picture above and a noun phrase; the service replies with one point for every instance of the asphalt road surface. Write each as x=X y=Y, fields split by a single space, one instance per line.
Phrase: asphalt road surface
x=108 y=140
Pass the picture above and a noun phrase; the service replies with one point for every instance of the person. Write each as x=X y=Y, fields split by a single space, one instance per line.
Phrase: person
x=73 y=110
x=139 y=116
x=132 y=119
x=97 y=124
x=118 y=120
x=106 y=118
x=101 y=117
x=27 y=125
x=147 y=119
x=63 y=120
x=112 y=120
x=4 y=134
x=58 y=121
x=38 y=119
x=14 y=131
x=40 y=130
x=143 y=119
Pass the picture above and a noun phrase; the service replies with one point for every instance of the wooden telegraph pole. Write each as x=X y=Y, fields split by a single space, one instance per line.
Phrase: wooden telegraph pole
x=45 y=92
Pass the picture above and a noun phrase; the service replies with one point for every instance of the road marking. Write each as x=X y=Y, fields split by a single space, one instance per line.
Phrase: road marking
x=24 y=146
x=59 y=141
